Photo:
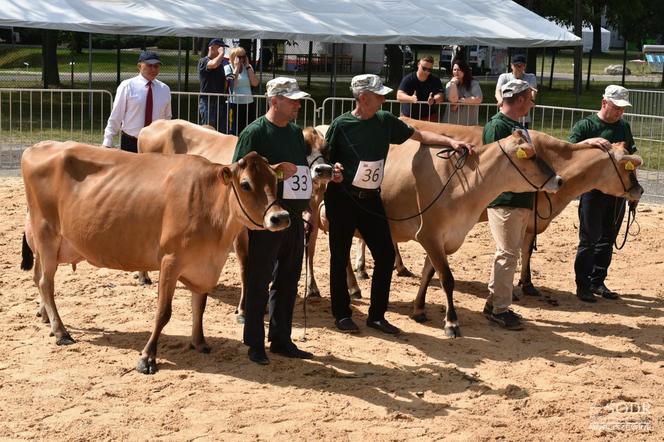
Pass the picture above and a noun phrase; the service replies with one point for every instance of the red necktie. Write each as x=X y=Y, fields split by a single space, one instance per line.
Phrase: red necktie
x=148 y=106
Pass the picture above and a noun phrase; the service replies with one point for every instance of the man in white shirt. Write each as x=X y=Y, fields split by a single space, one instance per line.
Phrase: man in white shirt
x=138 y=102
x=518 y=73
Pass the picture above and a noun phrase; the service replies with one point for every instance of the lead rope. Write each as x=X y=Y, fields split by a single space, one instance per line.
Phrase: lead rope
x=307 y=235
x=631 y=219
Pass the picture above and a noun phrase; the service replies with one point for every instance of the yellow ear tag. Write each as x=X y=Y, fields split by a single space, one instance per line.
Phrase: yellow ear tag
x=629 y=166
x=280 y=175
x=521 y=154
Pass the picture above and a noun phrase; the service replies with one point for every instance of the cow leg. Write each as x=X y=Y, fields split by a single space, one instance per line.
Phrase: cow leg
x=143 y=278
x=353 y=287
x=402 y=270
x=36 y=277
x=46 y=284
x=419 y=313
x=525 y=281
x=198 y=301
x=360 y=260
x=147 y=363
x=312 y=286
x=241 y=245
x=439 y=261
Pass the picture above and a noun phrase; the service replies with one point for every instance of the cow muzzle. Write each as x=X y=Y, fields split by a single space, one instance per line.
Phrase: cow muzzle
x=276 y=219
x=634 y=193
x=321 y=172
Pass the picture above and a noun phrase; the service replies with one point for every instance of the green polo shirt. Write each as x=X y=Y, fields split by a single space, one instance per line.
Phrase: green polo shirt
x=277 y=144
x=592 y=126
x=499 y=127
x=353 y=140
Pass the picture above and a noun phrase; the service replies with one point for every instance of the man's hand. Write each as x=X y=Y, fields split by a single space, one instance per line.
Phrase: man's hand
x=430 y=100
x=337 y=175
x=598 y=142
x=460 y=145
x=414 y=97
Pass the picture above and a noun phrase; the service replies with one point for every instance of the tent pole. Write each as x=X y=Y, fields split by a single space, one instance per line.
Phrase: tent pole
x=117 y=62
x=179 y=64
x=310 y=56
x=364 y=59
x=260 y=62
x=334 y=70
x=590 y=62
x=186 y=68
x=89 y=60
x=542 y=68
x=624 y=64
x=553 y=62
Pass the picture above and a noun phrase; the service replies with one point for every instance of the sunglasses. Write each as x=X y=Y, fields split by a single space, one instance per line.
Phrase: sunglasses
x=426 y=69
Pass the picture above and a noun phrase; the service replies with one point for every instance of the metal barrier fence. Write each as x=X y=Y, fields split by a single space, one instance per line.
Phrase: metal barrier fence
x=646 y=102
x=31 y=115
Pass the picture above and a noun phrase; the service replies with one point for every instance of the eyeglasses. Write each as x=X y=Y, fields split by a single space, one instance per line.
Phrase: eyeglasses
x=426 y=69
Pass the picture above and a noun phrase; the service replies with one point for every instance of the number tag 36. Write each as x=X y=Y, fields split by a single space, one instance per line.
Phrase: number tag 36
x=298 y=187
x=369 y=174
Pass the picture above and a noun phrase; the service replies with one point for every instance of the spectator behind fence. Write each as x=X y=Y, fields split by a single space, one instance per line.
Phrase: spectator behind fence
x=138 y=102
x=241 y=78
x=518 y=73
x=421 y=85
x=463 y=89
x=212 y=109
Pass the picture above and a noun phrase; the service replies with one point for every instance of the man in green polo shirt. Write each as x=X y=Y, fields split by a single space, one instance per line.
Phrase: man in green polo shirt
x=359 y=140
x=276 y=256
x=508 y=214
x=600 y=215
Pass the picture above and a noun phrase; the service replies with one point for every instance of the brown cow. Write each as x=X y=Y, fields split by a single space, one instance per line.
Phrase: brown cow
x=180 y=136
x=176 y=214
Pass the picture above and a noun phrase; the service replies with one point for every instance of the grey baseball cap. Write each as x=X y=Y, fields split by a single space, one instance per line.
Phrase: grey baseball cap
x=369 y=83
x=285 y=87
x=515 y=87
x=617 y=95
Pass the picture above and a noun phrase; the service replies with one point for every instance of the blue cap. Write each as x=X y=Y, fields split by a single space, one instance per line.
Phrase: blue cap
x=519 y=58
x=217 y=41
x=149 y=57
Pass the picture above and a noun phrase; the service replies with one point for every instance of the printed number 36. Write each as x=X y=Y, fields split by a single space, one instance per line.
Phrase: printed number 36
x=371 y=175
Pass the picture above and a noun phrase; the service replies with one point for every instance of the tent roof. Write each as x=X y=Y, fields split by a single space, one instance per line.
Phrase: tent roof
x=433 y=22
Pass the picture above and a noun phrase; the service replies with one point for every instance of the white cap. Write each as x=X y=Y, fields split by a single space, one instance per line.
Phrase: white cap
x=617 y=95
x=369 y=83
x=285 y=87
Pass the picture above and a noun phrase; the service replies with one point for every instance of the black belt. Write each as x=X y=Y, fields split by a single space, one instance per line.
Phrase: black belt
x=363 y=194
x=125 y=134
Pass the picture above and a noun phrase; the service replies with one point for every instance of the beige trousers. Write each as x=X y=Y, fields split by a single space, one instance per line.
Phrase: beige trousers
x=508 y=227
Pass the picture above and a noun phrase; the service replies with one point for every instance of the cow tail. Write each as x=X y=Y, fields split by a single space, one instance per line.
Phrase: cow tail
x=28 y=258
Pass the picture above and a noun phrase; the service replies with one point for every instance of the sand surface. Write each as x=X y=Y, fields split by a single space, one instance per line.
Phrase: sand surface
x=577 y=372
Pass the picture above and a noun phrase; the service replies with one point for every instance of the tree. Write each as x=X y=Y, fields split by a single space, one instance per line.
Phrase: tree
x=50 y=73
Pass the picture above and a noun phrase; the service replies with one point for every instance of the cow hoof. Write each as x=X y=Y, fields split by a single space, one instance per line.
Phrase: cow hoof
x=453 y=331
x=356 y=295
x=146 y=366
x=314 y=294
x=200 y=348
x=361 y=274
x=405 y=273
x=239 y=318
x=65 y=340
x=43 y=316
x=420 y=318
x=530 y=290
x=145 y=281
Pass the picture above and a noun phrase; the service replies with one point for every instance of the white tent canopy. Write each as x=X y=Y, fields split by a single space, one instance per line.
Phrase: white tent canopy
x=433 y=22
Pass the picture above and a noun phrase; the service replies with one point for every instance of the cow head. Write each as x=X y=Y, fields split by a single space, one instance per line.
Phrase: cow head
x=254 y=184
x=623 y=182
x=317 y=151
x=535 y=172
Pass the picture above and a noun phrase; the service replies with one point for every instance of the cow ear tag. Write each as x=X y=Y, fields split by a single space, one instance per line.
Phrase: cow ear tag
x=226 y=176
x=280 y=175
x=629 y=166
x=521 y=154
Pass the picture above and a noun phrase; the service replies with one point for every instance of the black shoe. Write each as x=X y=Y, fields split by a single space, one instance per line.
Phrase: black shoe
x=507 y=320
x=488 y=311
x=383 y=326
x=290 y=350
x=585 y=295
x=347 y=325
x=257 y=355
x=604 y=291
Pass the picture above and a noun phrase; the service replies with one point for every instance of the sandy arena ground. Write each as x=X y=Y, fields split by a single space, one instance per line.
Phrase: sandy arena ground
x=577 y=372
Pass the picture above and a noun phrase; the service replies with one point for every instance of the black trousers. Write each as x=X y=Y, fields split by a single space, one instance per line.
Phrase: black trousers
x=600 y=217
x=345 y=216
x=275 y=257
x=128 y=143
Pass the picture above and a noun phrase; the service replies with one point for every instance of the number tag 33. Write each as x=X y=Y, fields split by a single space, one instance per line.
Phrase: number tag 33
x=298 y=187
x=369 y=174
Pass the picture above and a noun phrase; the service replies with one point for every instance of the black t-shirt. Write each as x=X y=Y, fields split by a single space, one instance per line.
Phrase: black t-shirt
x=410 y=84
x=214 y=80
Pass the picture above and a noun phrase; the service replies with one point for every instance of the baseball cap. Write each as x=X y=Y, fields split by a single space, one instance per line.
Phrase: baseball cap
x=218 y=42
x=149 y=57
x=285 y=87
x=617 y=95
x=369 y=83
x=515 y=87
x=519 y=58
